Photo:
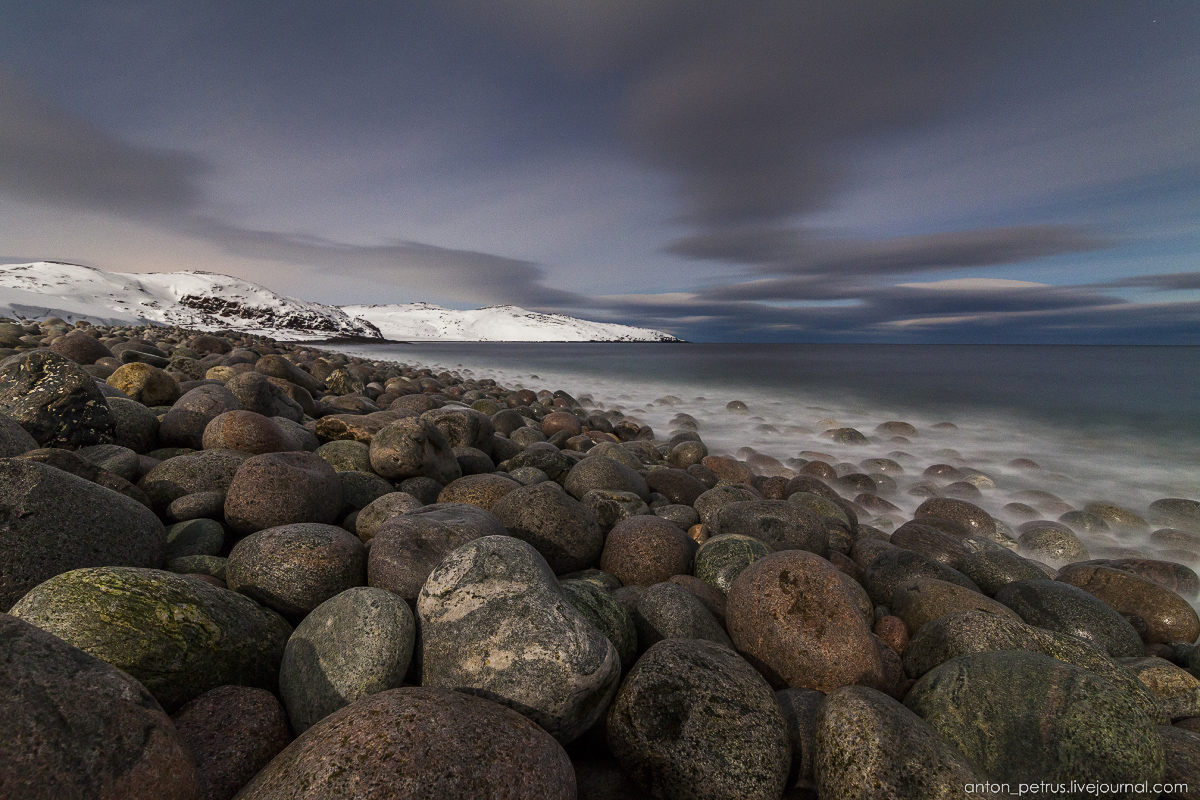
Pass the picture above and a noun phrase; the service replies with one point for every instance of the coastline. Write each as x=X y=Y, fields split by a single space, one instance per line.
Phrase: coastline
x=562 y=558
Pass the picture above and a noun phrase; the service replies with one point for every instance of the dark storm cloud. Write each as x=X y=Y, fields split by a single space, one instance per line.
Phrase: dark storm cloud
x=1175 y=281
x=50 y=157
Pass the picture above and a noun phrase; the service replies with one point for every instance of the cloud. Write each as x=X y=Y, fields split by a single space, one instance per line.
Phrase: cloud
x=1175 y=281
x=50 y=157
x=47 y=156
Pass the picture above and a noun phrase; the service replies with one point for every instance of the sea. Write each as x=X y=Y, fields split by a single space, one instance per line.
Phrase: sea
x=1110 y=424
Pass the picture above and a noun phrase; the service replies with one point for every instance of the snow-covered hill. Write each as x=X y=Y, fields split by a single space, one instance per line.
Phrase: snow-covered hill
x=200 y=300
x=425 y=322
x=207 y=301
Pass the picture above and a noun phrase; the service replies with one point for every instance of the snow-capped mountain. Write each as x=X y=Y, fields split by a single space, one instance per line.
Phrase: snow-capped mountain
x=199 y=300
x=426 y=322
x=208 y=301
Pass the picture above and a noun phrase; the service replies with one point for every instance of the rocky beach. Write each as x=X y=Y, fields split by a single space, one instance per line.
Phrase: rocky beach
x=237 y=567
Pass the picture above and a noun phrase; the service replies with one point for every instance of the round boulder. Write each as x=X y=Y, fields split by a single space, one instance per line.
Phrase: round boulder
x=280 y=488
x=184 y=424
x=495 y=621
x=355 y=644
x=779 y=524
x=1058 y=606
x=149 y=385
x=694 y=720
x=722 y=558
x=478 y=490
x=412 y=743
x=294 y=568
x=645 y=550
x=246 y=432
x=597 y=472
x=556 y=524
x=408 y=448
x=55 y=400
x=178 y=636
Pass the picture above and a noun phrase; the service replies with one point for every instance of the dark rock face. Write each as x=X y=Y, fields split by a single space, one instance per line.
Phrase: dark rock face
x=191 y=473
x=295 y=568
x=791 y=616
x=995 y=569
x=976 y=520
x=52 y=522
x=779 y=524
x=669 y=611
x=281 y=488
x=694 y=720
x=74 y=726
x=884 y=574
x=14 y=439
x=414 y=743
x=184 y=424
x=178 y=636
x=1176 y=512
x=556 y=524
x=406 y=548
x=462 y=427
x=1058 y=606
x=1168 y=616
x=408 y=448
x=69 y=461
x=355 y=644
x=134 y=425
x=675 y=485
x=1058 y=723
x=233 y=732
x=922 y=600
x=869 y=745
x=55 y=400
x=279 y=367
x=495 y=622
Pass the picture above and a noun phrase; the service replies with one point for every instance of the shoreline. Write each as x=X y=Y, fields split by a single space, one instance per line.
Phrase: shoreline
x=561 y=557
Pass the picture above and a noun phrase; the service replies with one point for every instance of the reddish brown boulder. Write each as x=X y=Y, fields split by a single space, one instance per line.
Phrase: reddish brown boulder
x=1168 y=616
x=728 y=469
x=791 y=616
x=561 y=421
x=483 y=490
x=893 y=632
x=419 y=743
x=246 y=432
x=646 y=550
x=233 y=732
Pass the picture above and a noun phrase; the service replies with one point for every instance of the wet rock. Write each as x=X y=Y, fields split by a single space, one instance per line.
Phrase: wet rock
x=233 y=732
x=351 y=427
x=1051 y=545
x=609 y=617
x=894 y=566
x=707 y=504
x=669 y=611
x=921 y=600
x=406 y=548
x=1167 y=574
x=77 y=727
x=598 y=472
x=646 y=550
x=993 y=570
x=557 y=525
x=790 y=615
x=779 y=524
x=410 y=448
x=1058 y=723
x=112 y=457
x=178 y=636
x=683 y=516
x=354 y=644
x=1058 y=606
x=1119 y=519
x=557 y=421
x=1177 y=690
x=1167 y=616
x=54 y=400
x=1175 y=512
x=281 y=488
x=721 y=559
x=694 y=720
x=929 y=541
x=52 y=522
x=974 y=518
x=478 y=490
x=869 y=745
x=494 y=621
x=294 y=568
x=728 y=469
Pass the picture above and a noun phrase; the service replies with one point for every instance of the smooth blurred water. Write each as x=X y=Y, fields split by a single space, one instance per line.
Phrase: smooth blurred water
x=1118 y=424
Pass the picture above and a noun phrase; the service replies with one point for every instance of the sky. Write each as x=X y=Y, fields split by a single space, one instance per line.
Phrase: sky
x=1015 y=171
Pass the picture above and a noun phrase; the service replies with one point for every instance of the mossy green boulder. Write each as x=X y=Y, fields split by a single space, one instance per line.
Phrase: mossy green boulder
x=178 y=636
x=722 y=558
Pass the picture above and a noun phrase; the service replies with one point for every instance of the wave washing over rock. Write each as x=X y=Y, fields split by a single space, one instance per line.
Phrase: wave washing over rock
x=211 y=543
x=209 y=301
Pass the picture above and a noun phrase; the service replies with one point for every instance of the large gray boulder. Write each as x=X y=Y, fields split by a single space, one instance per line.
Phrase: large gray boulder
x=495 y=622
x=693 y=720
x=352 y=645
x=184 y=424
x=179 y=636
x=412 y=447
x=74 y=726
x=52 y=522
